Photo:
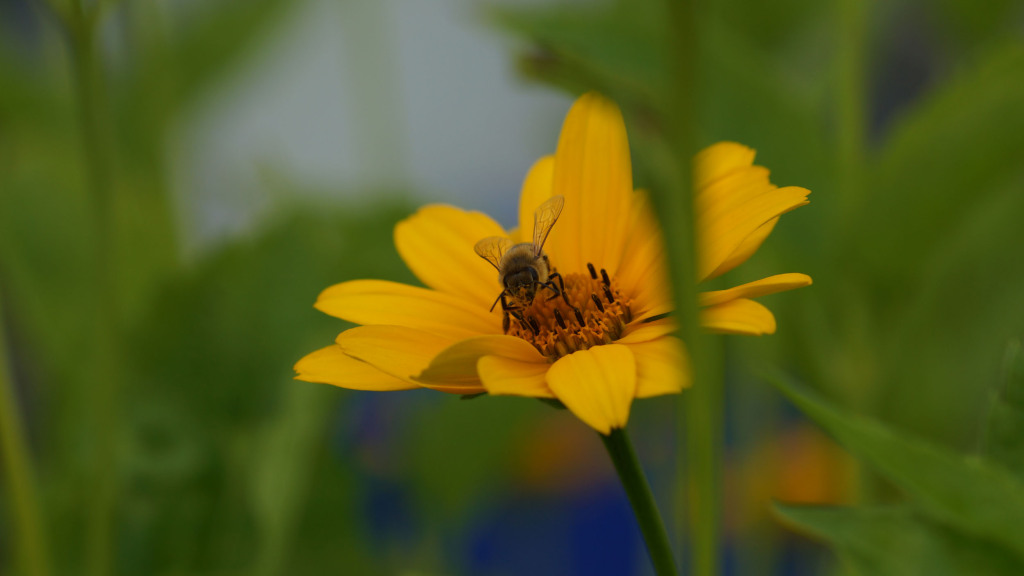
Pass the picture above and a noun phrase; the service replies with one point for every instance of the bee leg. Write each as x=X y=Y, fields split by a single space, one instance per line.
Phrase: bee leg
x=508 y=311
x=549 y=285
x=524 y=321
x=560 y=289
x=554 y=290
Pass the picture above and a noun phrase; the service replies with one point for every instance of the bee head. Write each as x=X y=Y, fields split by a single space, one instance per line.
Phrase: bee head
x=522 y=282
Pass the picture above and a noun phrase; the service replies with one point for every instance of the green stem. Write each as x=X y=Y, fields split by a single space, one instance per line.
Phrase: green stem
x=633 y=480
x=850 y=102
x=701 y=424
x=851 y=26
x=28 y=528
x=704 y=406
x=101 y=482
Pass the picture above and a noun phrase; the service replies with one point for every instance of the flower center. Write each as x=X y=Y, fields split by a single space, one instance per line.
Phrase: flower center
x=590 y=312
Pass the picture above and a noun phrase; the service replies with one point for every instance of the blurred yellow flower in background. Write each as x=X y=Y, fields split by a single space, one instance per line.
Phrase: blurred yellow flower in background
x=608 y=338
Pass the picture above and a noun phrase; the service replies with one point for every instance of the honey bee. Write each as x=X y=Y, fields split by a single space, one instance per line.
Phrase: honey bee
x=523 y=268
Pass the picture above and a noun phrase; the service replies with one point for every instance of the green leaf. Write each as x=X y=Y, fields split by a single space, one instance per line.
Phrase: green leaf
x=931 y=173
x=962 y=492
x=224 y=446
x=979 y=255
x=760 y=97
x=897 y=542
x=281 y=475
x=966 y=24
x=770 y=25
x=178 y=66
x=1005 y=429
x=770 y=101
x=614 y=49
x=460 y=453
x=255 y=301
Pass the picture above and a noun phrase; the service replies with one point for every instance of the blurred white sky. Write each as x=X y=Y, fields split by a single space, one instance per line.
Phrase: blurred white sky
x=351 y=97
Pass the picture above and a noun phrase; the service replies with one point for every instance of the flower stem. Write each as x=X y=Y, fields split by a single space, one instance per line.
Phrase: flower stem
x=703 y=413
x=27 y=523
x=851 y=31
x=701 y=422
x=101 y=479
x=639 y=492
x=852 y=21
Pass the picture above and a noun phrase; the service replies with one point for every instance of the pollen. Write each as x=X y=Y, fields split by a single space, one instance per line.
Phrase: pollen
x=590 y=311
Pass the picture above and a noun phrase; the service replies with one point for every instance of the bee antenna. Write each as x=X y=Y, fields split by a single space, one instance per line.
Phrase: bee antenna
x=496 y=300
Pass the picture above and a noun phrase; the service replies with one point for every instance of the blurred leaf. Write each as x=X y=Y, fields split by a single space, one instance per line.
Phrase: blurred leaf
x=27 y=97
x=1005 y=430
x=747 y=94
x=224 y=443
x=773 y=103
x=48 y=263
x=281 y=477
x=965 y=299
x=769 y=24
x=931 y=171
x=896 y=542
x=962 y=492
x=473 y=441
x=615 y=49
x=178 y=54
x=331 y=535
x=191 y=59
x=47 y=237
x=255 y=303
x=47 y=243
x=975 y=27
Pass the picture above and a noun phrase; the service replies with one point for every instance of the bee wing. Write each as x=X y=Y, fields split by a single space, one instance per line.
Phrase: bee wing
x=493 y=248
x=544 y=219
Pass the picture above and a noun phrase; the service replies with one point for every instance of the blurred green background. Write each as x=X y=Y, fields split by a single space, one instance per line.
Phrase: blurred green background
x=178 y=181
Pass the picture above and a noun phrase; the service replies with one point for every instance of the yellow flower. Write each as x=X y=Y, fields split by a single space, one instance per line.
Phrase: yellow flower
x=609 y=340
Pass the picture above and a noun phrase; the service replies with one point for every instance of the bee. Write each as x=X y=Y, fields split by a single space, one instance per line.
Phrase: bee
x=523 y=268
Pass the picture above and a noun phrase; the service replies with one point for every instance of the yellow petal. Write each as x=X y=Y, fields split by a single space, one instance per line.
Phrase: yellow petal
x=662 y=367
x=399 y=351
x=437 y=242
x=597 y=385
x=536 y=190
x=657 y=310
x=762 y=287
x=731 y=217
x=507 y=376
x=391 y=303
x=731 y=191
x=740 y=316
x=592 y=171
x=644 y=331
x=643 y=274
x=332 y=366
x=719 y=160
x=456 y=365
x=746 y=248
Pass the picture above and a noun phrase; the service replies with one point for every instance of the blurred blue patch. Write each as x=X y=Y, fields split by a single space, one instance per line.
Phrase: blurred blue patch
x=592 y=533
